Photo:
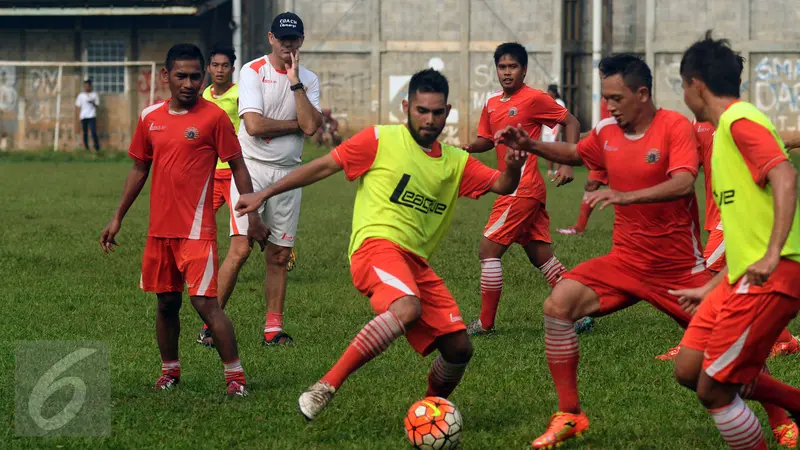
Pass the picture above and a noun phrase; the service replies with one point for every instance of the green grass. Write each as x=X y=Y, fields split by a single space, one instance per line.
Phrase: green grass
x=58 y=285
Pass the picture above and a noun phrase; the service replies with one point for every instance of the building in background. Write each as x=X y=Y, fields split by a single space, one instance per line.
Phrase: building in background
x=365 y=51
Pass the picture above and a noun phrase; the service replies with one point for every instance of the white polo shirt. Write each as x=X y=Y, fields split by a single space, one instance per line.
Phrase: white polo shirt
x=265 y=90
x=88 y=103
x=550 y=134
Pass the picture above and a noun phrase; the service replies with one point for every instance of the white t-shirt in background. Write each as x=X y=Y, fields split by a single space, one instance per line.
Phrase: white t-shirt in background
x=265 y=90
x=550 y=134
x=88 y=103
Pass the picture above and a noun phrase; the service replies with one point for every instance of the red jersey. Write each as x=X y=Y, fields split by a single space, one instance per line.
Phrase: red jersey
x=704 y=132
x=532 y=108
x=662 y=237
x=357 y=154
x=183 y=149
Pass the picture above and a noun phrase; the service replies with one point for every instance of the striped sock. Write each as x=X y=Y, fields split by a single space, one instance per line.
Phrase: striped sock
x=234 y=372
x=171 y=368
x=273 y=325
x=444 y=377
x=491 y=289
x=552 y=270
x=371 y=341
x=562 y=351
x=739 y=426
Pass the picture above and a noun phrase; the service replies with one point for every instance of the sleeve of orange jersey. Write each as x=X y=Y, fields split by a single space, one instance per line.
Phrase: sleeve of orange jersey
x=485 y=124
x=356 y=155
x=477 y=179
x=225 y=140
x=591 y=152
x=546 y=110
x=682 y=152
x=140 y=147
x=759 y=148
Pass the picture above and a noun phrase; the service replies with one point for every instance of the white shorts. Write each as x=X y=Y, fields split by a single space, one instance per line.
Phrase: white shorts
x=280 y=214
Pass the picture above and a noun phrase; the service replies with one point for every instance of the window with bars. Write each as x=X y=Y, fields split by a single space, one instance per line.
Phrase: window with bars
x=110 y=80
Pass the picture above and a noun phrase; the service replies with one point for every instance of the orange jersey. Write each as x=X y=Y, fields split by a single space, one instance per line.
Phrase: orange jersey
x=183 y=150
x=704 y=132
x=657 y=236
x=533 y=109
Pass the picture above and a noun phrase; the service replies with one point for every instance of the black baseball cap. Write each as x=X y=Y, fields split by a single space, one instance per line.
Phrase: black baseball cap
x=287 y=25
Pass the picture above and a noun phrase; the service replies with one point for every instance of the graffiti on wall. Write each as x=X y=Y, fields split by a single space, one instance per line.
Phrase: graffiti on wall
x=776 y=90
x=143 y=83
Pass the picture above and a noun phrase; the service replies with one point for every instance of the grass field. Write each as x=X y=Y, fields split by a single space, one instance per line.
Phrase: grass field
x=58 y=285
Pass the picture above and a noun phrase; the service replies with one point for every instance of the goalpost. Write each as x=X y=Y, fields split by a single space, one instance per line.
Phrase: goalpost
x=31 y=103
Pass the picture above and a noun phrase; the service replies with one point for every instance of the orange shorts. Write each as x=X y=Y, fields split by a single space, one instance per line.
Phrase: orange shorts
x=737 y=325
x=599 y=175
x=620 y=285
x=169 y=263
x=518 y=219
x=385 y=272
x=714 y=253
x=222 y=188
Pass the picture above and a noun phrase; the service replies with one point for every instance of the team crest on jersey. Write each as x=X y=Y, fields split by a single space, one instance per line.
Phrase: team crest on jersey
x=512 y=112
x=191 y=133
x=652 y=156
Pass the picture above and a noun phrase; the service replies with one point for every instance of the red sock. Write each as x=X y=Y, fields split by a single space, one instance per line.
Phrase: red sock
x=491 y=289
x=785 y=336
x=552 y=270
x=273 y=325
x=371 y=341
x=234 y=372
x=766 y=389
x=777 y=415
x=739 y=426
x=171 y=368
x=444 y=377
x=583 y=218
x=561 y=349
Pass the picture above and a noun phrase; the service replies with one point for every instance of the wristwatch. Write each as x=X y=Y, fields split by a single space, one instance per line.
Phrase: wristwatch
x=296 y=86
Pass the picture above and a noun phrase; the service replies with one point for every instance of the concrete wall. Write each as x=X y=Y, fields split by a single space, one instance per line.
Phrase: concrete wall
x=365 y=50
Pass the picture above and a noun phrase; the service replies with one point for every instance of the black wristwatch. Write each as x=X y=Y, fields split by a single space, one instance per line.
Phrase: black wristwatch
x=296 y=86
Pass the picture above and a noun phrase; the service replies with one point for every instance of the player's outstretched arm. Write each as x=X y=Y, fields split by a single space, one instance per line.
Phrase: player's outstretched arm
x=783 y=179
x=558 y=152
x=791 y=144
x=134 y=183
x=679 y=185
x=307 y=174
x=264 y=127
x=479 y=145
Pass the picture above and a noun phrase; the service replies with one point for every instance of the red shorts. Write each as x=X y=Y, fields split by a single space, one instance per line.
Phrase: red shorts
x=737 y=325
x=599 y=175
x=169 y=263
x=222 y=188
x=620 y=285
x=714 y=253
x=385 y=272
x=518 y=219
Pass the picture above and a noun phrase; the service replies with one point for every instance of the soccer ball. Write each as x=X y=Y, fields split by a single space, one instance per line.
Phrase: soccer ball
x=433 y=423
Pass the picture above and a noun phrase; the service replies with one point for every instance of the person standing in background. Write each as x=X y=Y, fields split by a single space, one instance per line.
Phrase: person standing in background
x=86 y=105
x=551 y=134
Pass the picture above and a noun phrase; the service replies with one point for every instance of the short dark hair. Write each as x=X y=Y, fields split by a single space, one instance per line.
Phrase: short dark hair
x=634 y=71
x=88 y=81
x=183 y=52
x=513 y=49
x=554 y=89
x=716 y=64
x=428 y=80
x=223 y=50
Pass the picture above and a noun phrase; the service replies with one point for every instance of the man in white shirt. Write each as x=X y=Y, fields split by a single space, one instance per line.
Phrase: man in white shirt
x=551 y=134
x=279 y=106
x=86 y=105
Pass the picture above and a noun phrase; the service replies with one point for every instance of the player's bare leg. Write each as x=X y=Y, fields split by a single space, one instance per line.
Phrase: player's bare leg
x=490 y=254
x=455 y=351
x=237 y=255
x=168 y=330
x=277 y=258
x=688 y=371
x=585 y=212
x=225 y=339
x=568 y=302
x=371 y=341
x=541 y=255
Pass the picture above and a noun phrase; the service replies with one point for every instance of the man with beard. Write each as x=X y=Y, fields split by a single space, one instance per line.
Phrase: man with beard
x=399 y=218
